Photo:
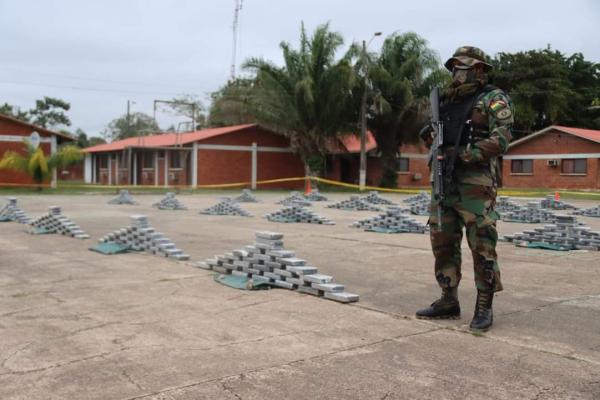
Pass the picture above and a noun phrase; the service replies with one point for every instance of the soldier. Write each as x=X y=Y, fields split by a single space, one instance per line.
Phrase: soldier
x=477 y=119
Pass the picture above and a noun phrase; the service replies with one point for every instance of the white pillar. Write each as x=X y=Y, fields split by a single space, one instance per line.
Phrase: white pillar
x=109 y=168
x=117 y=169
x=166 y=168
x=87 y=168
x=135 y=169
x=53 y=149
x=156 y=168
x=195 y=165
x=254 y=164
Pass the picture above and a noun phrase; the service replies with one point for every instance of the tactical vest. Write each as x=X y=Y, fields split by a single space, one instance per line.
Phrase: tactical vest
x=456 y=115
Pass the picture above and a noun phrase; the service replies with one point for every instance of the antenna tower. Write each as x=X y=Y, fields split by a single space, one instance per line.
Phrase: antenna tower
x=236 y=20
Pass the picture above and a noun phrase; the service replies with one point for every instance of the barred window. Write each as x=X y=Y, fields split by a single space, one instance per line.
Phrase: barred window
x=148 y=160
x=574 y=166
x=103 y=160
x=175 y=159
x=521 y=166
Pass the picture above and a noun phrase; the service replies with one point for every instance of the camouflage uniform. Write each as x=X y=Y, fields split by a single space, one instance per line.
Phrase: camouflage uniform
x=471 y=197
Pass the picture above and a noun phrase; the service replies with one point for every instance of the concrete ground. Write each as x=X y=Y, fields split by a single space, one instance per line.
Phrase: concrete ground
x=79 y=325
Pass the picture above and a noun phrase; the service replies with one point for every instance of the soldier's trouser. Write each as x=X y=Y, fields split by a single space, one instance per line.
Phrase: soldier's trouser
x=471 y=207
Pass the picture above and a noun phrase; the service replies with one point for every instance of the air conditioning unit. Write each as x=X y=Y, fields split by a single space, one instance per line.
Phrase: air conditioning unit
x=552 y=163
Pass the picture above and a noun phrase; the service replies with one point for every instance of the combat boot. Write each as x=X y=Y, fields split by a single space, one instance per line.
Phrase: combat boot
x=483 y=317
x=446 y=307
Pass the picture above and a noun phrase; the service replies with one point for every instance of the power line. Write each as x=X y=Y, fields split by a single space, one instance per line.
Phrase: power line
x=84 y=78
x=89 y=89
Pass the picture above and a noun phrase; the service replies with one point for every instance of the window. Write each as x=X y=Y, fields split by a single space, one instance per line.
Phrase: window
x=103 y=159
x=123 y=159
x=403 y=164
x=175 y=159
x=148 y=160
x=521 y=167
x=574 y=166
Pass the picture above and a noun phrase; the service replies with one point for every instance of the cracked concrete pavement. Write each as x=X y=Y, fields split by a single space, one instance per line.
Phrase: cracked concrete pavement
x=77 y=324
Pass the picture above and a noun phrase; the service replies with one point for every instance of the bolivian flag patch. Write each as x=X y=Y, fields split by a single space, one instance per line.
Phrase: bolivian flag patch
x=500 y=109
x=498 y=105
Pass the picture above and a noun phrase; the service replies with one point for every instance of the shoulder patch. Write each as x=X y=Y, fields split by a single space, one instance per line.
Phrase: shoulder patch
x=504 y=113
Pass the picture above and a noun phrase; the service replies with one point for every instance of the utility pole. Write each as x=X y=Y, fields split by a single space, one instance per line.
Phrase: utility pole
x=363 y=126
x=362 y=180
x=128 y=118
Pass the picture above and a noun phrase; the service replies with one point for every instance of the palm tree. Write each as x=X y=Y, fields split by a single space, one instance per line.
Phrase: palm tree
x=307 y=99
x=35 y=163
x=402 y=77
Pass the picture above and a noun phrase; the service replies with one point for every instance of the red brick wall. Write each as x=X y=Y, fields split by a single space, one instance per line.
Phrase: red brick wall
x=224 y=166
x=555 y=142
x=246 y=137
x=271 y=165
x=74 y=172
x=545 y=176
x=16 y=129
x=416 y=166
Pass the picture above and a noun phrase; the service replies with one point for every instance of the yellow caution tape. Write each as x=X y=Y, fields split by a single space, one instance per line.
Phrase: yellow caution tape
x=507 y=192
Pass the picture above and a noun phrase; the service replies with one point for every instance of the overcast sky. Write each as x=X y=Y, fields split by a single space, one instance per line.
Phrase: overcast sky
x=99 y=54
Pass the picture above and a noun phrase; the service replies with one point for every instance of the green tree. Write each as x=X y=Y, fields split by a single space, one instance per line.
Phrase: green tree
x=402 y=76
x=584 y=80
x=95 y=141
x=14 y=112
x=138 y=124
x=36 y=164
x=50 y=112
x=82 y=138
x=538 y=83
x=230 y=105
x=306 y=99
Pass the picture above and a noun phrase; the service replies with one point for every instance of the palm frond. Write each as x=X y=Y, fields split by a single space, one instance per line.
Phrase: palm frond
x=13 y=161
x=65 y=156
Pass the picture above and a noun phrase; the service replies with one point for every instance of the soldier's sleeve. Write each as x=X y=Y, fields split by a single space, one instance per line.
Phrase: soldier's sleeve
x=500 y=111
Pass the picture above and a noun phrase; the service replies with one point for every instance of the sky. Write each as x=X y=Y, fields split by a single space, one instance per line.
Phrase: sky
x=97 y=55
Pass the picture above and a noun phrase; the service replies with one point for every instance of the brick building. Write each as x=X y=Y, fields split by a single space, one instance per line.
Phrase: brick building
x=557 y=157
x=344 y=161
x=12 y=134
x=234 y=154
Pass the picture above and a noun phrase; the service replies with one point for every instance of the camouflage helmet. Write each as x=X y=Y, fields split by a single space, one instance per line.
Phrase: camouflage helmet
x=470 y=56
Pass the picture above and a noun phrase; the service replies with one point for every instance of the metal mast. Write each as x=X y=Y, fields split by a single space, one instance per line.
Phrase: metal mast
x=236 y=19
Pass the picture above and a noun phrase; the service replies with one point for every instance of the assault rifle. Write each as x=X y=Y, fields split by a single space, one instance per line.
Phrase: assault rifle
x=437 y=161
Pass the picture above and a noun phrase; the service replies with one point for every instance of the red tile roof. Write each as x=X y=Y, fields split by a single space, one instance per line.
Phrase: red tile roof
x=350 y=143
x=37 y=128
x=589 y=134
x=167 y=139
